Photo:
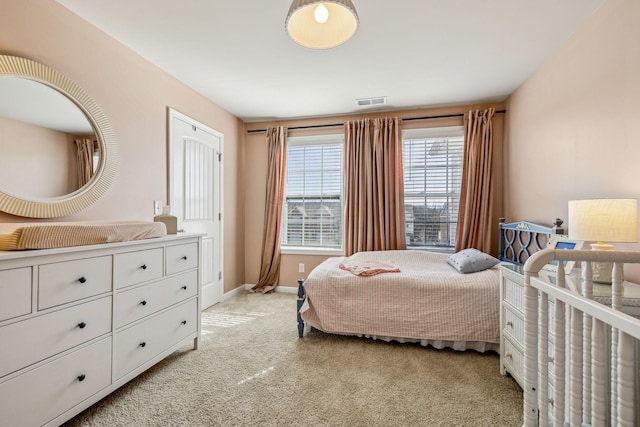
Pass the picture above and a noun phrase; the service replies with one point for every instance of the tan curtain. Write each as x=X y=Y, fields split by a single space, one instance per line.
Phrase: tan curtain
x=276 y=157
x=374 y=189
x=84 y=156
x=475 y=229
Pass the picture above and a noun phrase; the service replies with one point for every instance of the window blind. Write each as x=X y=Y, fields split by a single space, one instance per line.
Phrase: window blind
x=312 y=210
x=432 y=172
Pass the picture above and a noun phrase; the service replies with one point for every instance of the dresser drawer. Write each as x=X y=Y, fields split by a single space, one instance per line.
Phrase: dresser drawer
x=181 y=258
x=42 y=394
x=513 y=292
x=63 y=282
x=15 y=292
x=32 y=340
x=137 y=303
x=513 y=361
x=138 y=267
x=513 y=326
x=144 y=341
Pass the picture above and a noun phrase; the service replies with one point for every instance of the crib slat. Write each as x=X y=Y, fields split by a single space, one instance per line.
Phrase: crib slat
x=616 y=304
x=530 y=415
x=543 y=358
x=625 y=411
x=575 y=416
x=559 y=363
x=599 y=375
x=587 y=321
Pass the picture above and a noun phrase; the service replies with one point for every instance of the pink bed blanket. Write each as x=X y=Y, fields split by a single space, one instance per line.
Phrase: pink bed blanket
x=368 y=268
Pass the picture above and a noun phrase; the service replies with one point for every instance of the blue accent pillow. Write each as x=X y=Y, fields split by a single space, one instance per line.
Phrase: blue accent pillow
x=471 y=261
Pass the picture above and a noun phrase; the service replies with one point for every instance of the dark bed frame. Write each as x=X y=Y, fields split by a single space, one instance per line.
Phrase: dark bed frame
x=517 y=242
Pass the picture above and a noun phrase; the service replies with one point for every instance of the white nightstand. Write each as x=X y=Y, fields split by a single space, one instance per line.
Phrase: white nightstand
x=512 y=322
x=512 y=312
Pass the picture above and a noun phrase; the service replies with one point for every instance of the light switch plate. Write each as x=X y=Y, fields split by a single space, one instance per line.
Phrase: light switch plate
x=157 y=207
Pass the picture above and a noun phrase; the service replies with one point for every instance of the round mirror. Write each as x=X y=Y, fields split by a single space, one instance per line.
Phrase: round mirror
x=58 y=150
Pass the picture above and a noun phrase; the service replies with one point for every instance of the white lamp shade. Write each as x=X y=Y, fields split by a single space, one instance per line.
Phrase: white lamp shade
x=304 y=29
x=604 y=220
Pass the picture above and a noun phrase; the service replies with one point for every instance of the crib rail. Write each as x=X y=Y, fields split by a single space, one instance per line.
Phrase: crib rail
x=580 y=356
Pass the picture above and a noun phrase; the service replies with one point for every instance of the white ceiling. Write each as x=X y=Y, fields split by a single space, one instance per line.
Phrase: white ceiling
x=417 y=53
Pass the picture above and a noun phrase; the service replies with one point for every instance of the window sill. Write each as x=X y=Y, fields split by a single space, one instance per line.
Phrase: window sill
x=300 y=250
x=431 y=249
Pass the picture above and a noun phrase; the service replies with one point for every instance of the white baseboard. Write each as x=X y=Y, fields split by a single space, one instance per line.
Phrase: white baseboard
x=280 y=288
x=232 y=293
x=247 y=287
x=287 y=289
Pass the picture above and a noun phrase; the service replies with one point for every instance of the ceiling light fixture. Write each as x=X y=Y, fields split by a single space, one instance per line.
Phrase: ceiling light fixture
x=321 y=24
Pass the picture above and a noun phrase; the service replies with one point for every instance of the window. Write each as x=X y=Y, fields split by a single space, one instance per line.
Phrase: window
x=432 y=171
x=312 y=209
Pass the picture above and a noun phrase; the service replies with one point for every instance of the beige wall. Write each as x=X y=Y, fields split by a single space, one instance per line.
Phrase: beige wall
x=256 y=155
x=134 y=95
x=573 y=127
x=36 y=161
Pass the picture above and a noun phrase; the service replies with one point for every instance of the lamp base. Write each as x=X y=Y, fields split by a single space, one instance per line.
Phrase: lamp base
x=602 y=271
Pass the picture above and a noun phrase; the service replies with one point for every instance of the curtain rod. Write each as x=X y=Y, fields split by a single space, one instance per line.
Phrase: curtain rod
x=444 y=116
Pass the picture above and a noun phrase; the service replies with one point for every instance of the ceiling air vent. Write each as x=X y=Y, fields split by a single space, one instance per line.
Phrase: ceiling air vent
x=371 y=102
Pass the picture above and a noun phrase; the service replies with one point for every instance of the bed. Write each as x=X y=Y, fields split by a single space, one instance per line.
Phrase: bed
x=428 y=301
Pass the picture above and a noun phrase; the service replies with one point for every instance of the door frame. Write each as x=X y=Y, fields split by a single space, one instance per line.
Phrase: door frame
x=171 y=114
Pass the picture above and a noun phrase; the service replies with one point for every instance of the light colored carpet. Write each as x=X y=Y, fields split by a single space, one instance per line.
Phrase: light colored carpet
x=253 y=370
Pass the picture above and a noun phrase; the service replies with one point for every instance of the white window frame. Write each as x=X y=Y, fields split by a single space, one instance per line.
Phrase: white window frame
x=315 y=250
x=430 y=133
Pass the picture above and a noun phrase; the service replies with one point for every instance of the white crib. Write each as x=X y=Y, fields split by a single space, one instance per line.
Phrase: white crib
x=581 y=358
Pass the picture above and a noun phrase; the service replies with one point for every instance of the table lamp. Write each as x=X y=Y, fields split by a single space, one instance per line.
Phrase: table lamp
x=603 y=220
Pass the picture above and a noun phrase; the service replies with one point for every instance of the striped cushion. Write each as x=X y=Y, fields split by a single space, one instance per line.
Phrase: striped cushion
x=64 y=234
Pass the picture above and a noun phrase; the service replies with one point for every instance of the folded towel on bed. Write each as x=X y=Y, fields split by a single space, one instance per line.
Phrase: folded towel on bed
x=368 y=268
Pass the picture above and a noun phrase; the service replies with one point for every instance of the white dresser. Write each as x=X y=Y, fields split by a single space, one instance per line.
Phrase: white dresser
x=512 y=322
x=77 y=323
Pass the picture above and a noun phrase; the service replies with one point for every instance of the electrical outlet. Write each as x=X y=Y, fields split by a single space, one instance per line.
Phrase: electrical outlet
x=301 y=268
x=157 y=207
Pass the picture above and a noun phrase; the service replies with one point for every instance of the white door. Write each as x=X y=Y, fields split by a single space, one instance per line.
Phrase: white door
x=195 y=194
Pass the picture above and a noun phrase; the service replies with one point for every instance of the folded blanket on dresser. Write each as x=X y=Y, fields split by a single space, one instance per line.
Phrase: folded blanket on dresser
x=65 y=234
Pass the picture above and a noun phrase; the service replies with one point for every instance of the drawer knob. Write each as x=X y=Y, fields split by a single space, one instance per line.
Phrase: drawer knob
x=143 y=302
x=142 y=344
x=184 y=287
x=143 y=266
x=184 y=322
x=184 y=257
x=81 y=325
x=81 y=377
x=509 y=323
x=82 y=279
x=509 y=355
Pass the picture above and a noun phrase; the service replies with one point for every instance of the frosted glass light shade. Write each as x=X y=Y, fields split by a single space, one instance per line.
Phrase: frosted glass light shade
x=304 y=29
x=604 y=220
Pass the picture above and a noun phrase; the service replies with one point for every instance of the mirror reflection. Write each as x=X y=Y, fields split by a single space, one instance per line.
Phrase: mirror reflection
x=48 y=146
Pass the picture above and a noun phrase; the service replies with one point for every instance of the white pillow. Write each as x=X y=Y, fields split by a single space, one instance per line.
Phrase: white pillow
x=471 y=261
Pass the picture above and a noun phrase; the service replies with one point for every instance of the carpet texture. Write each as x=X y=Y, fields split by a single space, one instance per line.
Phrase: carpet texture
x=252 y=370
